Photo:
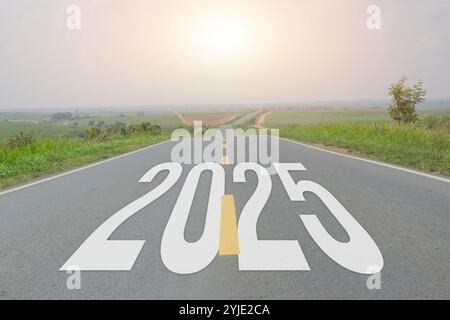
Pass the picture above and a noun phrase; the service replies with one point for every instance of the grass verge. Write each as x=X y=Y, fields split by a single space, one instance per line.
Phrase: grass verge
x=424 y=146
x=53 y=155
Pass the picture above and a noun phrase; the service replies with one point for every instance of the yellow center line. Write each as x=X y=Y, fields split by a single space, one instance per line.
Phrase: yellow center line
x=225 y=160
x=229 y=241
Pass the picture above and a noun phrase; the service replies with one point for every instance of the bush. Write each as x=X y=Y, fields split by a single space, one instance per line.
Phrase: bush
x=21 y=140
x=405 y=99
x=121 y=129
x=143 y=128
x=92 y=133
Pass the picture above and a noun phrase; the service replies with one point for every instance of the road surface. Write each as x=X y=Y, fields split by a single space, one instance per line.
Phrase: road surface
x=407 y=215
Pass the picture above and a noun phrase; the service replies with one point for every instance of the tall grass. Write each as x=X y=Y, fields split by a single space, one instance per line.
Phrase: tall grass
x=424 y=145
x=52 y=155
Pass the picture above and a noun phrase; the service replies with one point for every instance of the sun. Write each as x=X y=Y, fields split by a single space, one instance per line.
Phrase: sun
x=222 y=37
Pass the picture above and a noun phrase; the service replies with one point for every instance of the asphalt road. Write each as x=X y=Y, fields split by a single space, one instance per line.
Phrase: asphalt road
x=407 y=215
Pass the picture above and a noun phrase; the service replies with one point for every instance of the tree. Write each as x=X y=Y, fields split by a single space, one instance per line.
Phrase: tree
x=61 y=116
x=405 y=99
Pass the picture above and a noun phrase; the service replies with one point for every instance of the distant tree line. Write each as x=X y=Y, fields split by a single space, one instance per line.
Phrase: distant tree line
x=60 y=116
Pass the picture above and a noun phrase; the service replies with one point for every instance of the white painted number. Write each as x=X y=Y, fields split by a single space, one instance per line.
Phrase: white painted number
x=98 y=253
x=177 y=254
x=357 y=255
x=263 y=254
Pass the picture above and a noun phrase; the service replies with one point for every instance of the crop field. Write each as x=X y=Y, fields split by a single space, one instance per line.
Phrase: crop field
x=25 y=116
x=210 y=119
x=41 y=126
x=281 y=118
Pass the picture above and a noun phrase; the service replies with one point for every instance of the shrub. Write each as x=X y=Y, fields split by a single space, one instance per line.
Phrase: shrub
x=143 y=128
x=121 y=129
x=405 y=99
x=92 y=133
x=21 y=140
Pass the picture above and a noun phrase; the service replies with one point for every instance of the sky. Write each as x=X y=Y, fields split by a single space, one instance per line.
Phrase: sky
x=185 y=52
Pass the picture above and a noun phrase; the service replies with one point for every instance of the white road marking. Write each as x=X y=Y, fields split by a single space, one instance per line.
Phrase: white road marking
x=97 y=253
x=382 y=164
x=77 y=170
x=263 y=255
x=358 y=254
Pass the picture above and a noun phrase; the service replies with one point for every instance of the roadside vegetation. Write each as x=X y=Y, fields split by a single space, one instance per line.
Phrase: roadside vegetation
x=417 y=139
x=72 y=125
x=23 y=156
x=424 y=145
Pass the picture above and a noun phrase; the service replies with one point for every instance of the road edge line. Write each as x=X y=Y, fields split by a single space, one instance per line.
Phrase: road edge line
x=60 y=175
x=379 y=163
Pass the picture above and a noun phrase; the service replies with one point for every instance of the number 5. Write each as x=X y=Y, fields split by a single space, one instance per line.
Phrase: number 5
x=360 y=254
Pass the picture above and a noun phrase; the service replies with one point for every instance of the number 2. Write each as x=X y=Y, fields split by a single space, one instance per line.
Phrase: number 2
x=263 y=254
x=98 y=253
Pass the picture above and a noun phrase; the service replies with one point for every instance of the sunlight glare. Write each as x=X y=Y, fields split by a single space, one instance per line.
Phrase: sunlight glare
x=223 y=38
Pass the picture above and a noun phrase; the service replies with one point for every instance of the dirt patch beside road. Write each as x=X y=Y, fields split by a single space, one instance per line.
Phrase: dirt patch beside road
x=261 y=120
x=208 y=119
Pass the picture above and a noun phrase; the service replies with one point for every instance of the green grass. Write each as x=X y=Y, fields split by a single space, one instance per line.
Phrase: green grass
x=320 y=115
x=40 y=130
x=27 y=116
x=59 y=146
x=51 y=155
x=281 y=118
x=40 y=126
x=425 y=145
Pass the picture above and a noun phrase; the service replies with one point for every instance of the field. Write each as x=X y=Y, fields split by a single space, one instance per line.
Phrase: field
x=424 y=145
x=210 y=119
x=41 y=126
x=281 y=118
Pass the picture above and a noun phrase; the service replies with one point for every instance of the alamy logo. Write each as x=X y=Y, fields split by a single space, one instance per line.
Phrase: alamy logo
x=73 y=282
x=227 y=146
x=374 y=18
x=74 y=17
x=374 y=281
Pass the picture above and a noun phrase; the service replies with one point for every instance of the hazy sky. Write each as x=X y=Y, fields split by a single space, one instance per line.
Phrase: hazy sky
x=154 y=52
